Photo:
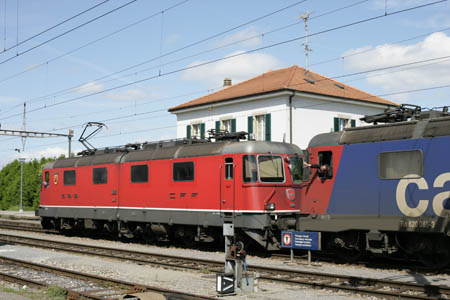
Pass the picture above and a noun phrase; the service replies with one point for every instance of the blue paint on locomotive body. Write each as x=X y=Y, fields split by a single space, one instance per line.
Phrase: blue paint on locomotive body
x=359 y=190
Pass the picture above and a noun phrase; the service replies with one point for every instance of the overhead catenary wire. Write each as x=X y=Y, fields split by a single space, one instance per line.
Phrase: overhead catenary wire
x=67 y=32
x=284 y=109
x=247 y=52
x=155 y=58
x=52 y=27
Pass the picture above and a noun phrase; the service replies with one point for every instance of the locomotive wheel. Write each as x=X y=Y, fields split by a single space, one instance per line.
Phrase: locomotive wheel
x=436 y=253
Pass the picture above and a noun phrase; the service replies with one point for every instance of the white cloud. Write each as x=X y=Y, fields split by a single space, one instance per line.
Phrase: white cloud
x=237 y=68
x=248 y=36
x=408 y=77
x=90 y=87
x=127 y=95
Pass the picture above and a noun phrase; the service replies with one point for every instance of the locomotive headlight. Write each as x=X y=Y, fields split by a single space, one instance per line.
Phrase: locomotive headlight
x=270 y=206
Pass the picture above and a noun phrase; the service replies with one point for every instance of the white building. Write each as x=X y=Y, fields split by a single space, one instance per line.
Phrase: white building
x=289 y=105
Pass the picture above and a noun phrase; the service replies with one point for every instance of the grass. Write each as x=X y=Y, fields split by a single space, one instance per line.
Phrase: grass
x=16 y=208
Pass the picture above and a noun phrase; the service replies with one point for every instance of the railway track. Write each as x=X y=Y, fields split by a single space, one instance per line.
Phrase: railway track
x=350 y=284
x=79 y=285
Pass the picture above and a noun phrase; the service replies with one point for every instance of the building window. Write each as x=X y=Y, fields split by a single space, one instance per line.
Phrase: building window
x=342 y=123
x=183 y=171
x=139 y=173
x=259 y=127
x=250 y=170
x=226 y=125
x=195 y=131
x=70 y=177
x=396 y=165
x=99 y=175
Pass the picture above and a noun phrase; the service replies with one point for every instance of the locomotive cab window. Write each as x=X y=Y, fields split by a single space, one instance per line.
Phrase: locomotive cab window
x=99 y=175
x=249 y=169
x=228 y=168
x=398 y=164
x=46 y=182
x=270 y=168
x=326 y=158
x=183 y=171
x=139 y=173
x=70 y=177
x=296 y=167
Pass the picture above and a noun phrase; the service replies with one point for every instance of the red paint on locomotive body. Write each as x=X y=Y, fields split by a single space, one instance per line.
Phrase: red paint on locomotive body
x=208 y=191
x=316 y=191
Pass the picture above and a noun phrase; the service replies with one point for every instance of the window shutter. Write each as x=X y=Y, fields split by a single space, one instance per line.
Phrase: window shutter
x=217 y=126
x=233 y=125
x=202 y=130
x=188 y=132
x=268 y=127
x=353 y=123
x=336 y=124
x=250 y=124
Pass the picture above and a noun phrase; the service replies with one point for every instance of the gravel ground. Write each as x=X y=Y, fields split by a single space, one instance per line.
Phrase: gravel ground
x=194 y=282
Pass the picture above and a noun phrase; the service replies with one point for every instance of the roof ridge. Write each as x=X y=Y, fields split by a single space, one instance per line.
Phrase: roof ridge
x=294 y=70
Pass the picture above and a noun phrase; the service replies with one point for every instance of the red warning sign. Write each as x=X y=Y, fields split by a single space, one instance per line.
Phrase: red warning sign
x=287 y=239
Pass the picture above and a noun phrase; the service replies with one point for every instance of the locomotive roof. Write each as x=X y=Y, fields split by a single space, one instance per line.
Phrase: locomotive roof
x=157 y=152
x=414 y=129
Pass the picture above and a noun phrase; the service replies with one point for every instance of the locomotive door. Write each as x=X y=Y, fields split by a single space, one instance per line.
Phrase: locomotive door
x=227 y=184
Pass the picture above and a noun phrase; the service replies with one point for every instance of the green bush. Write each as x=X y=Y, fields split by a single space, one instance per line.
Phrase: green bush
x=10 y=184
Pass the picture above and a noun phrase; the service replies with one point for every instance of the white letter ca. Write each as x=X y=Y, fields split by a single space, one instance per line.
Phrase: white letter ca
x=401 y=197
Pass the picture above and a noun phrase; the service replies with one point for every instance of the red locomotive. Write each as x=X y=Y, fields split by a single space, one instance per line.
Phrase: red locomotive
x=177 y=189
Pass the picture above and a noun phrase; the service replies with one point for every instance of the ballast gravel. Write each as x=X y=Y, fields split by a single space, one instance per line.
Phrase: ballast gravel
x=198 y=283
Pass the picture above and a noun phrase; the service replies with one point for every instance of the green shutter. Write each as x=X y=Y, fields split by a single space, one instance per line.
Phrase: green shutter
x=353 y=123
x=202 y=130
x=268 y=127
x=188 y=132
x=250 y=124
x=233 y=125
x=217 y=126
x=336 y=124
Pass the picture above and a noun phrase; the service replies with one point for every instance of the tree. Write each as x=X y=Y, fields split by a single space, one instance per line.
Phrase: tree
x=10 y=183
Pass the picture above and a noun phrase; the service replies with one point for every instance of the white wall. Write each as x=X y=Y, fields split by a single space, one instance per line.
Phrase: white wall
x=311 y=115
x=240 y=111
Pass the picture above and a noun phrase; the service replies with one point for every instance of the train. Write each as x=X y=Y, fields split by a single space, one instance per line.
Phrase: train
x=179 y=189
x=382 y=188
x=386 y=189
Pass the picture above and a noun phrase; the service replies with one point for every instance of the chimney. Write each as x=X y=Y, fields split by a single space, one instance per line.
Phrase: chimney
x=227 y=82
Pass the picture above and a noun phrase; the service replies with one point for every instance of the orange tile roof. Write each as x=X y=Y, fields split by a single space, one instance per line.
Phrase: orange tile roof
x=292 y=78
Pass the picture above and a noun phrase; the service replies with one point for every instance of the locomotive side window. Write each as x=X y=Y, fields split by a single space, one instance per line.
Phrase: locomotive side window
x=99 y=175
x=326 y=158
x=398 y=164
x=139 y=173
x=228 y=168
x=250 y=171
x=70 y=177
x=183 y=171
x=271 y=168
x=296 y=167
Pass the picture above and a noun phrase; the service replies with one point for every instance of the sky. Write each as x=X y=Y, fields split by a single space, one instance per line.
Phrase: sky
x=125 y=63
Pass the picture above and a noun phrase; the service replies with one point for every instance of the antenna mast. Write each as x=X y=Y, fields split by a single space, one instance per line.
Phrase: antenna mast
x=305 y=18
